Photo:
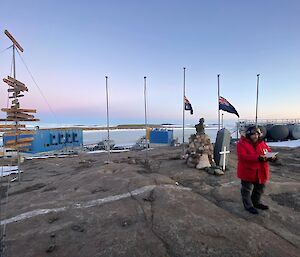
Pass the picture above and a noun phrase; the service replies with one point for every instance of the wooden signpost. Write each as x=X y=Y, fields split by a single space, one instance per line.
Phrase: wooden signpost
x=14 y=114
x=13 y=41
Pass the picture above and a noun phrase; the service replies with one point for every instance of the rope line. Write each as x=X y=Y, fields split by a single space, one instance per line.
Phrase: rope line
x=40 y=91
x=2 y=51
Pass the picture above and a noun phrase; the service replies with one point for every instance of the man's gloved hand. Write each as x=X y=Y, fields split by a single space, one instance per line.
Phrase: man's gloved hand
x=262 y=158
x=273 y=159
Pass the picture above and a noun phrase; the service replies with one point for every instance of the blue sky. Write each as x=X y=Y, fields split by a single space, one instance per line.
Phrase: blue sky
x=71 y=45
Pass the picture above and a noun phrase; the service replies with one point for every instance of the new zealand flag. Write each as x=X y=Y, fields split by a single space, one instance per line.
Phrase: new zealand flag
x=187 y=105
x=226 y=106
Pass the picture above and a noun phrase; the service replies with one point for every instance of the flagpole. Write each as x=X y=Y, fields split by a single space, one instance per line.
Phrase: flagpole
x=146 y=120
x=257 y=89
x=107 y=120
x=183 y=111
x=218 y=102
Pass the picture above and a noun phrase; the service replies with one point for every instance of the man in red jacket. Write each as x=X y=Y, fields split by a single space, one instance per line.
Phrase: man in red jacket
x=253 y=169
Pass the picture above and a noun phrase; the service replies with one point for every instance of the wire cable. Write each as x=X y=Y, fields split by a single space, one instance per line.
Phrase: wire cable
x=34 y=81
x=2 y=51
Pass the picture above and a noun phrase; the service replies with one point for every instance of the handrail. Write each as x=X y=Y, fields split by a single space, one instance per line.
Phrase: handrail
x=270 y=121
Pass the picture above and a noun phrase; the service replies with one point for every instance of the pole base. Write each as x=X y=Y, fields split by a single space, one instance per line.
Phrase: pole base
x=183 y=156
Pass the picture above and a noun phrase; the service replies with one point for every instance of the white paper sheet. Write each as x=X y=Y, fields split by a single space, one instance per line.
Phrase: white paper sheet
x=271 y=154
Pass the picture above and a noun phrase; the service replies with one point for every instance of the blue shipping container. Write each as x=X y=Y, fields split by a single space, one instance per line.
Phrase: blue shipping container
x=51 y=139
x=161 y=136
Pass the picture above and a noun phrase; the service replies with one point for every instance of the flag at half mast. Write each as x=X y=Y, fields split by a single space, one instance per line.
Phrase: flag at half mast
x=226 y=106
x=187 y=105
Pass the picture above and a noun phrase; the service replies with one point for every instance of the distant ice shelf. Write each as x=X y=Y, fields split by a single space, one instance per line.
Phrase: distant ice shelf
x=291 y=143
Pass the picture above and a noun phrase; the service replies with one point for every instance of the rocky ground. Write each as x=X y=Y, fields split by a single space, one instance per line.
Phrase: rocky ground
x=79 y=206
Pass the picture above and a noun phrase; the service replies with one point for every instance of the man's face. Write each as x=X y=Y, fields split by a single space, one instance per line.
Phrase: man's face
x=254 y=137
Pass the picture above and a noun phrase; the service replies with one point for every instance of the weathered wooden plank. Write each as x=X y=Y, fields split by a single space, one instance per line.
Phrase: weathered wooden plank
x=20 y=132
x=17 y=87
x=19 y=141
x=11 y=90
x=18 y=110
x=18 y=82
x=8 y=161
x=19 y=115
x=11 y=83
x=13 y=40
x=24 y=149
x=18 y=146
x=12 y=126
x=17 y=96
x=7 y=130
x=19 y=119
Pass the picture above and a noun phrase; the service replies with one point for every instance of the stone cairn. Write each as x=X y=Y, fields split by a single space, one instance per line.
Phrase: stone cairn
x=200 y=150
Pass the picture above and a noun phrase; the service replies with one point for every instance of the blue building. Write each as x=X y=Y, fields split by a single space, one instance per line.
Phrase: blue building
x=161 y=136
x=52 y=139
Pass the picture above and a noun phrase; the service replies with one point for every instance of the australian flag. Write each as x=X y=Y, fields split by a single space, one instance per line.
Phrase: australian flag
x=226 y=106
x=187 y=105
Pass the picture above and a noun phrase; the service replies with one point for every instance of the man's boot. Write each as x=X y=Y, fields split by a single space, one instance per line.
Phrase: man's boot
x=256 y=196
x=246 y=196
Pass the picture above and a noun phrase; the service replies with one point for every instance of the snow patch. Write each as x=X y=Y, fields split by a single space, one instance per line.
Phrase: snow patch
x=291 y=143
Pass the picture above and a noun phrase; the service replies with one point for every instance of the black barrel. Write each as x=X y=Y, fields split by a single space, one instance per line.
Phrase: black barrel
x=279 y=132
x=291 y=127
x=295 y=132
x=268 y=128
x=263 y=131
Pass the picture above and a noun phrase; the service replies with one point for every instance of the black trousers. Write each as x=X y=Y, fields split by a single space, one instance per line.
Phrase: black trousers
x=251 y=193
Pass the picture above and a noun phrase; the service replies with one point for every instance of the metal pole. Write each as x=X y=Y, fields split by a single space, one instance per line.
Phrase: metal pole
x=16 y=122
x=14 y=61
x=146 y=121
x=257 y=89
x=218 y=102
x=107 y=120
x=183 y=110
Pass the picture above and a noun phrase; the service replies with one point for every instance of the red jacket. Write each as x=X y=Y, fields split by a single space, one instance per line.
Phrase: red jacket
x=249 y=167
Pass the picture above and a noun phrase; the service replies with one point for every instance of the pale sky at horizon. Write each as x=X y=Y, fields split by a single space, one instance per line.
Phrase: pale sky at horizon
x=71 y=45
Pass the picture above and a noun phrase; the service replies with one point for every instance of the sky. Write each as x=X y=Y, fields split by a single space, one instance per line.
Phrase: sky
x=70 y=46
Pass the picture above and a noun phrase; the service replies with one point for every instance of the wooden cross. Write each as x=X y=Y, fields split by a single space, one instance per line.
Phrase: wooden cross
x=224 y=159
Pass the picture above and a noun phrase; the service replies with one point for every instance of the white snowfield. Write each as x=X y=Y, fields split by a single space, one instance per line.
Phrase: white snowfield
x=291 y=143
x=8 y=170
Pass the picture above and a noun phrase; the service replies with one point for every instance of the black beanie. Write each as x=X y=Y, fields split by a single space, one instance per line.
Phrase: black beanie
x=253 y=130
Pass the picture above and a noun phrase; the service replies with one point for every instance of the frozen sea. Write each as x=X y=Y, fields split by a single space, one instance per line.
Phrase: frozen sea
x=130 y=136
